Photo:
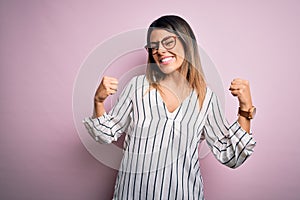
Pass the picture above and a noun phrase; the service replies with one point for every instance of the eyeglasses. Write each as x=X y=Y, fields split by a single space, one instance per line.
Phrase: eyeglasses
x=168 y=43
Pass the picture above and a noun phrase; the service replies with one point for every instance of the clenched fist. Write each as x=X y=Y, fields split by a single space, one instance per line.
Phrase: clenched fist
x=241 y=89
x=108 y=86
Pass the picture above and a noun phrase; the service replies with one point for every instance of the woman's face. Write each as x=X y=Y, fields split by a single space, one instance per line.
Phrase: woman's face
x=168 y=58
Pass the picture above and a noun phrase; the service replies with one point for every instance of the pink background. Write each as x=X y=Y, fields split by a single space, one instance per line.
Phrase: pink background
x=43 y=44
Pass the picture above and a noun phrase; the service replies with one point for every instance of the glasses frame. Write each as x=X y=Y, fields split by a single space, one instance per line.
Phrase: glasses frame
x=150 y=49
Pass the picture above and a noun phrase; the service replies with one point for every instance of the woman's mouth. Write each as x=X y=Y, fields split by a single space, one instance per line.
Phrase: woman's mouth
x=167 y=60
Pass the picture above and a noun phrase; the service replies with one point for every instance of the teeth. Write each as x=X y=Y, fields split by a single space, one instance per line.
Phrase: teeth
x=166 y=59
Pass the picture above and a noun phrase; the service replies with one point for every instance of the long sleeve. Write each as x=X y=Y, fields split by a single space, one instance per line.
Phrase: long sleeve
x=230 y=144
x=110 y=126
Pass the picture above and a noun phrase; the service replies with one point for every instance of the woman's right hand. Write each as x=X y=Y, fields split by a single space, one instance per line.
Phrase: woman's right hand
x=108 y=86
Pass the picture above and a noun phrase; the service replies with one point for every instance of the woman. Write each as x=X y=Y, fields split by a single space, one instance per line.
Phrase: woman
x=166 y=114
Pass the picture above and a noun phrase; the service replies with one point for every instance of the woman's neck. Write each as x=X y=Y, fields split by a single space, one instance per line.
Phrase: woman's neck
x=176 y=83
x=174 y=80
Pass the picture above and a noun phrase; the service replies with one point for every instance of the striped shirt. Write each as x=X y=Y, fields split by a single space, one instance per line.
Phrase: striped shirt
x=161 y=148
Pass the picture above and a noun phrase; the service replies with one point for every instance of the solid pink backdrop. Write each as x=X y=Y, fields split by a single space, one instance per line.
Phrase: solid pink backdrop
x=43 y=44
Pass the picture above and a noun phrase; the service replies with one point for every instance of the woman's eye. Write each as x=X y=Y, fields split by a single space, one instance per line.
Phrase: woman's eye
x=171 y=42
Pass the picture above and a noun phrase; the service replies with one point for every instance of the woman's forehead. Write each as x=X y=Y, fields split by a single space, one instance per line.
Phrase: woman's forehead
x=159 y=34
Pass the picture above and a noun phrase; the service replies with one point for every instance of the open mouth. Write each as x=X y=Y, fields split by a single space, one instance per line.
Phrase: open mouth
x=167 y=60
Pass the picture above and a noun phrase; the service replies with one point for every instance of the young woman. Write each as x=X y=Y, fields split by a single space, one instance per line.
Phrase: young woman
x=166 y=114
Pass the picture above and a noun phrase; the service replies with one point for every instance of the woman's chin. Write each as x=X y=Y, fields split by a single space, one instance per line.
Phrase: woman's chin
x=168 y=69
x=169 y=72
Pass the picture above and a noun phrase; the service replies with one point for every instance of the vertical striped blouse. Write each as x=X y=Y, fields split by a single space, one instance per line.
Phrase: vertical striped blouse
x=161 y=148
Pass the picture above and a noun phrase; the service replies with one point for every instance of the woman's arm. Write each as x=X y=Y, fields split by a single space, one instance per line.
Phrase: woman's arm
x=241 y=89
x=108 y=86
x=108 y=127
x=230 y=143
x=99 y=109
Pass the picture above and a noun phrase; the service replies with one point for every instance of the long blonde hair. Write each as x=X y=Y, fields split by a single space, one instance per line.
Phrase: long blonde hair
x=191 y=67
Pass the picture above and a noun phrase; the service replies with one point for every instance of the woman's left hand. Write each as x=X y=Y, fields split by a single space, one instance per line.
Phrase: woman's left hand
x=241 y=89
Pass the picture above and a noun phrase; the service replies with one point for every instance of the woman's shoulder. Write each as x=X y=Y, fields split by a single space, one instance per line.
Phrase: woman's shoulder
x=139 y=80
x=210 y=97
x=139 y=77
x=134 y=83
x=211 y=93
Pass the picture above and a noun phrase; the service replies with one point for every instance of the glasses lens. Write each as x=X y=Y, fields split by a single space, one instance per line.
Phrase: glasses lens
x=169 y=42
x=152 y=47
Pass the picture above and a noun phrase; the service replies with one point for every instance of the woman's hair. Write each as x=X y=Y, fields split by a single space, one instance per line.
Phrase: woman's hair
x=191 y=67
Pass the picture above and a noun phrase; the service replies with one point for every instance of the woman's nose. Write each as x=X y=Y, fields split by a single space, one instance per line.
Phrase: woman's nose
x=161 y=49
